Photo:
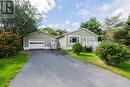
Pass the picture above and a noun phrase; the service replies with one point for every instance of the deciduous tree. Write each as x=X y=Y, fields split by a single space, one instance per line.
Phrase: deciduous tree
x=25 y=20
x=93 y=25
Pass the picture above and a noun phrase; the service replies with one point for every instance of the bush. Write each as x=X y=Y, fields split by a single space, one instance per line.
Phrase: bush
x=77 y=48
x=113 y=53
x=9 y=44
x=88 y=49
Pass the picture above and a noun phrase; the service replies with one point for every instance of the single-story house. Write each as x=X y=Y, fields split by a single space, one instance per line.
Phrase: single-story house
x=83 y=36
x=40 y=40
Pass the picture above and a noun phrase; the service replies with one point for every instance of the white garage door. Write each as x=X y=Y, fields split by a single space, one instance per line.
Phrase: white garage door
x=36 y=44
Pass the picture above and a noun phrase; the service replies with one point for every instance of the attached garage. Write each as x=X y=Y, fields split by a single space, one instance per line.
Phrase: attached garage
x=39 y=40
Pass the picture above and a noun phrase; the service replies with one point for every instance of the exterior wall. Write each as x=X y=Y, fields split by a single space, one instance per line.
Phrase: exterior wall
x=38 y=36
x=81 y=34
x=62 y=42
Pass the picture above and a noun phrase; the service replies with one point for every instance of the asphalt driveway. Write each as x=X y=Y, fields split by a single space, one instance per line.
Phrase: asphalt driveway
x=48 y=68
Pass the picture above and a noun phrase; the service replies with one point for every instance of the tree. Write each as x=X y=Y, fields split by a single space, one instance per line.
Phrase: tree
x=127 y=29
x=128 y=24
x=123 y=35
x=93 y=25
x=55 y=32
x=25 y=20
x=120 y=35
x=113 y=22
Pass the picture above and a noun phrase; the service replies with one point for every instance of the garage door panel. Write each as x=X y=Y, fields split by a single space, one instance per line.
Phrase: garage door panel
x=36 y=44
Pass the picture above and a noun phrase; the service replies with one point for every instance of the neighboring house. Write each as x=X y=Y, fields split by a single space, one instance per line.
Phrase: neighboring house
x=83 y=36
x=40 y=40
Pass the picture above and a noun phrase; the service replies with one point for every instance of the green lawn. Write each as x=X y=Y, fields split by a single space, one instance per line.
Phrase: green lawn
x=9 y=67
x=122 y=69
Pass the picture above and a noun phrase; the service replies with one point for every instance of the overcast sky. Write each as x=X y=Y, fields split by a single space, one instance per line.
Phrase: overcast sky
x=68 y=14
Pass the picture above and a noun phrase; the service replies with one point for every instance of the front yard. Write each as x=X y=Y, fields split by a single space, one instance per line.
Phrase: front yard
x=9 y=67
x=122 y=69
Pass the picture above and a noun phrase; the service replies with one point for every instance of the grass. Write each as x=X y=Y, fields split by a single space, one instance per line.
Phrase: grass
x=122 y=69
x=63 y=51
x=9 y=67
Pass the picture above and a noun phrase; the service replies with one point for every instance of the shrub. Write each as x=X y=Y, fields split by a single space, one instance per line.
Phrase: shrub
x=113 y=53
x=77 y=48
x=88 y=49
x=9 y=44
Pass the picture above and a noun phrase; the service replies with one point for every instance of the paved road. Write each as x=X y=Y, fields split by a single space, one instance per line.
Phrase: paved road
x=51 y=69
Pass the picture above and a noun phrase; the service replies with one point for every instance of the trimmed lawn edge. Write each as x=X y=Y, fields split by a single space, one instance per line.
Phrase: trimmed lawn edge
x=13 y=68
x=28 y=55
x=114 y=69
x=106 y=68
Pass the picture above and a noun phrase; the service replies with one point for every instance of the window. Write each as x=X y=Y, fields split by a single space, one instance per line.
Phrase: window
x=36 y=43
x=73 y=39
x=31 y=43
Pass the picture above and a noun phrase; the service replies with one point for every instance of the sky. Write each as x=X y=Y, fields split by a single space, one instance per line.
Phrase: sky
x=68 y=14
